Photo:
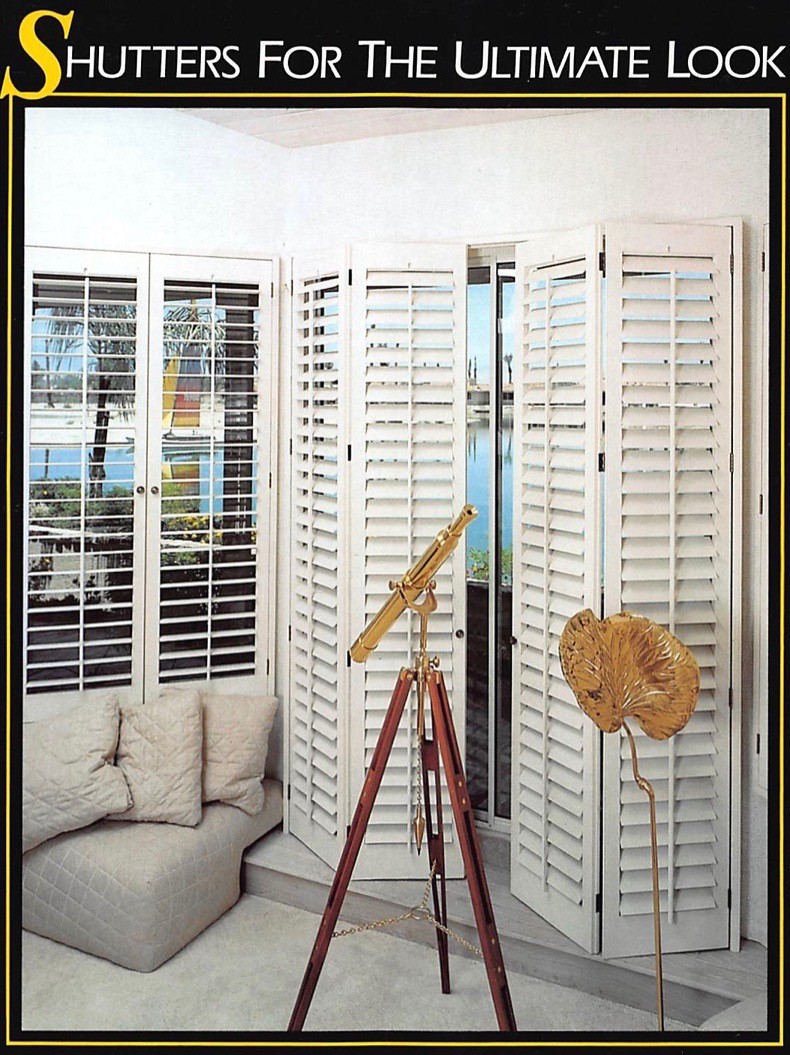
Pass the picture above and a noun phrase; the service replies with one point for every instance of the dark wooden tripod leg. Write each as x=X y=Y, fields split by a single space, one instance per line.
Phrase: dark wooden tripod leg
x=435 y=834
x=444 y=733
x=351 y=850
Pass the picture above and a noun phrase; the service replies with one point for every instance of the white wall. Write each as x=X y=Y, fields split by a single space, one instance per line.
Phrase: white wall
x=150 y=181
x=163 y=181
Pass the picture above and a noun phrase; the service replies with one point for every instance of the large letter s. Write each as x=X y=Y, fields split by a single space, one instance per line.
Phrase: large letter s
x=40 y=54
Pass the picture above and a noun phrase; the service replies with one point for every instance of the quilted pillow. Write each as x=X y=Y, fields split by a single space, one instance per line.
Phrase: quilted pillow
x=68 y=779
x=159 y=753
x=235 y=744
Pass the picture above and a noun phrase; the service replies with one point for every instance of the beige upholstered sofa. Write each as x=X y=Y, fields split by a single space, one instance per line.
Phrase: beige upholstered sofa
x=136 y=892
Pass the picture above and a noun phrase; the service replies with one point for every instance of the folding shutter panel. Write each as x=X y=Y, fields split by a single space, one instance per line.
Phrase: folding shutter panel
x=408 y=481
x=556 y=573
x=319 y=590
x=210 y=542
x=668 y=543
x=86 y=350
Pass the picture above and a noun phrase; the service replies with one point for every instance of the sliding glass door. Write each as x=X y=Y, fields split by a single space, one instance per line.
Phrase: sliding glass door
x=489 y=538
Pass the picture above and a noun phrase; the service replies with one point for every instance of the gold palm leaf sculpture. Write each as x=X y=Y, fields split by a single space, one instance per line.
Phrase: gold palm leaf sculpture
x=627 y=667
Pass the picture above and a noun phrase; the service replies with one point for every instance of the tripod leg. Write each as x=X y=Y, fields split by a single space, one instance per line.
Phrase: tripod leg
x=435 y=833
x=444 y=733
x=351 y=850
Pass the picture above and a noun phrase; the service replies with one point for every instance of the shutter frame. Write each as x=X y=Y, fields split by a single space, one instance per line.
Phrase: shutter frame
x=317 y=806
x=574 y=910
x=388 y=850
x=700 y=825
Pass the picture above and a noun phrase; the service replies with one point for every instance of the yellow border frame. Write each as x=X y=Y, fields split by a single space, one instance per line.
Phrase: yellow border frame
x=407 y=95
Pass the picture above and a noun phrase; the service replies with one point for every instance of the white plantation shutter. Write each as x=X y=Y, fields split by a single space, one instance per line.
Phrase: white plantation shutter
x=86 y=344
x=319 y=579
x=556 y=572
x=668 y=557
x=408 y=482
x=210 y=540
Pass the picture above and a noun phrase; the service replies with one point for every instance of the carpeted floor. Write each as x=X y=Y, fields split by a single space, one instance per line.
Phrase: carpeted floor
x=243 y=973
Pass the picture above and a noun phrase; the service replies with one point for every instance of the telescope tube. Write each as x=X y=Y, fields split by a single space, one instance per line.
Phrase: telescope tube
x=412 y=584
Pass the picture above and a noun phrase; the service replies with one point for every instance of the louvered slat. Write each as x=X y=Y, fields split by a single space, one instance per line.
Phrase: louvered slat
x=668 y=436
x=556 y=532
x=408 y=335
x=318 y=694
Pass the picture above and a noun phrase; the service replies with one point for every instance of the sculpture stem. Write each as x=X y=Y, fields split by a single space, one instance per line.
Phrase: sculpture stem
x=647 y=787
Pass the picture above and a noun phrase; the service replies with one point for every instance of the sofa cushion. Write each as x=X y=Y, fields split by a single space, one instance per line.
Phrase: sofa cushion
x=68 y=779
x=235 y=744
x=160 y=751
x=137 y=893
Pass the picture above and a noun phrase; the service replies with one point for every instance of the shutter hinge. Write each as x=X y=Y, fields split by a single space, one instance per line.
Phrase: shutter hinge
x=349 y=276
x=602 y=262
x=348 y=659
x=348 y=452
x=760 y=507
x=290 y=446
x=601 y=462
x=732 y=462
x=729 y=897
x=272 y=291
x=602 y=603
x=762 y=261
x=348 y=830
x=732 y=263
x=270 y=480
x=290 y=630
x=729 y=697
x=288 y=793
x=268 y=664
x=758 y=744
x=598 y=901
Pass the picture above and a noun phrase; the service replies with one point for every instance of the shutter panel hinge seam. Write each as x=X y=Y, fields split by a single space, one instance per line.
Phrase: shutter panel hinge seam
x=732 y=462
x=757 y=751
x=348 y=453
x=762 y=261
x=598 y=901
x=732 y=263
x=268 y=665
x=602 y=262
x=288 y=792
x=729 y=897
x=760 y=505
x=270 y=481
x=601 y=462
x=348 y=658
x=349 y=276
x=729 y=696
x=290 y=446
x=290 y=629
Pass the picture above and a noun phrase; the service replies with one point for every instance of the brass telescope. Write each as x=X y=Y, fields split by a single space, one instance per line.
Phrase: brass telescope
x=416 y=579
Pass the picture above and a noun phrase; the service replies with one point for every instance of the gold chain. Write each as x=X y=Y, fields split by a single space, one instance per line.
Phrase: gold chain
x=419 y=912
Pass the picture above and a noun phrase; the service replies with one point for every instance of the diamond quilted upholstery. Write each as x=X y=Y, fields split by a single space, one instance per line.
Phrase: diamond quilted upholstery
x=235 y=744
x=160 y=752
x=136 y=893
x=68 y=776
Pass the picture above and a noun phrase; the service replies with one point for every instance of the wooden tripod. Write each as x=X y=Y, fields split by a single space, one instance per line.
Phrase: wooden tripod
x=443 y=744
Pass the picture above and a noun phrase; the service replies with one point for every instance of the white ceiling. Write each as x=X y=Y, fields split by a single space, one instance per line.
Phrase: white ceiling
x=293 y=127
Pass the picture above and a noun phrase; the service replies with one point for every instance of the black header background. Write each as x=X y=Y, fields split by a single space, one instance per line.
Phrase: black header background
x=554 y=23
